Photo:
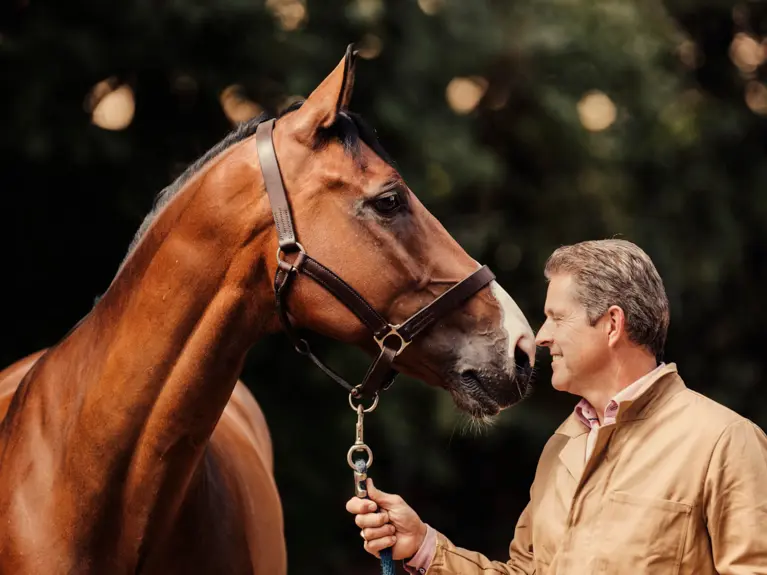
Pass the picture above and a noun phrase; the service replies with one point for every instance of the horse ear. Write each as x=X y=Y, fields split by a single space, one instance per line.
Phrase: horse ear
x=323 y=104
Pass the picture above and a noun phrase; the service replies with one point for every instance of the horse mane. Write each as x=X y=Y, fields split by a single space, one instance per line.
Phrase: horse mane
x=349 y=128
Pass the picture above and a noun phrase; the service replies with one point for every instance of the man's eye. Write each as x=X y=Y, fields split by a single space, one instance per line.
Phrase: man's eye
x=388 y=204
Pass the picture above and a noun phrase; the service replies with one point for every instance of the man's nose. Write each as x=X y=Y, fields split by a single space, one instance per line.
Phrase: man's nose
x=542 y=337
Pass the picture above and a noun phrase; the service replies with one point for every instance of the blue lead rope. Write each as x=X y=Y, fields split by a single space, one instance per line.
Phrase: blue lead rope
x=387 y=563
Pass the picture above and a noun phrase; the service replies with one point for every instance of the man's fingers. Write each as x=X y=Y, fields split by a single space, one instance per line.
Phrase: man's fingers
x=367 y=548
x=376 y=530
x=357 y=505
x=382 y=498
x=377 y=545
x=372 y=519
x=373 y=533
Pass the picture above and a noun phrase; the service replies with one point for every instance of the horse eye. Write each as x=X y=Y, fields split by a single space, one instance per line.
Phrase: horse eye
x=388 y=204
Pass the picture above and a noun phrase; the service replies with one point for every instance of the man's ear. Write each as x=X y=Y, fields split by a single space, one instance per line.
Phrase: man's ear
x=321 y=108
x=616 y=324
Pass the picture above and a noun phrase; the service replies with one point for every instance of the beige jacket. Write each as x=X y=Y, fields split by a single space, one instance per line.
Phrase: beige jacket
x=678 y=485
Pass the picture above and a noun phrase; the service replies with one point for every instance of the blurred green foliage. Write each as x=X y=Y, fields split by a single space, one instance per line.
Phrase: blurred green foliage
x=673 y=92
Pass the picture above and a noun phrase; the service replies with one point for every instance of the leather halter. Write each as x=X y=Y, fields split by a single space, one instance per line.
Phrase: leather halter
x=391 y=339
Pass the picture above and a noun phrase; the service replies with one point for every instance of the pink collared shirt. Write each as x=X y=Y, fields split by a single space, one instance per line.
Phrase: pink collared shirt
x=422 y=559
x=586 y=413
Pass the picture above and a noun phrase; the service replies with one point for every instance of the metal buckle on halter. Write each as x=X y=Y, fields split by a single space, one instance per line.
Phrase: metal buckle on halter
x=393 y=332
x=287 y=266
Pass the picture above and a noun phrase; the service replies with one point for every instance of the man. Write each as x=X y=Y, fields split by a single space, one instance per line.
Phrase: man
x=645 y=476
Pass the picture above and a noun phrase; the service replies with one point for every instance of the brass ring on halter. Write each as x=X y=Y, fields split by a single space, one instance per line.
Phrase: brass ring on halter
x=359 y=447
x=288 y=267
x=355 y=394
x=393 y=332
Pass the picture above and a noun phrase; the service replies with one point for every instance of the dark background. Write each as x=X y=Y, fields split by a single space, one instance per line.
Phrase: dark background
x=522 y=125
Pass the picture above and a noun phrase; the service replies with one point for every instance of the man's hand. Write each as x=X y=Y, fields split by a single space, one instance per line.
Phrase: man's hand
x=387 y=521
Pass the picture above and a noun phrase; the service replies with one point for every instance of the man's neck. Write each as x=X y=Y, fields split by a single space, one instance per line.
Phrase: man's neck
x=618 y=374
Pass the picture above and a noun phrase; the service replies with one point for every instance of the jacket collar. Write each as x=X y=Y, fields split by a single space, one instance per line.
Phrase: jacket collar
x=663 y=386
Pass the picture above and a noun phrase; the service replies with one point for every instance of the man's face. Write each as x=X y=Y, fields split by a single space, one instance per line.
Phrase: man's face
x=578 y=349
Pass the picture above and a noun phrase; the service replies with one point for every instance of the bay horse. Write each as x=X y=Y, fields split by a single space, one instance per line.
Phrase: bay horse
x=131 y=446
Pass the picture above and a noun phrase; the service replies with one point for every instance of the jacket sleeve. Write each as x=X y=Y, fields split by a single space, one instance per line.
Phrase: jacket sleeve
x=735 y=500
x=451 y=560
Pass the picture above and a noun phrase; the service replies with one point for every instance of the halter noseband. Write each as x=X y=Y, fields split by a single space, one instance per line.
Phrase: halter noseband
x=391 y=339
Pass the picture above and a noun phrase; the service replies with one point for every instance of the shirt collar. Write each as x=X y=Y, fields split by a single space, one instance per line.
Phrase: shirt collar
x=586 y=413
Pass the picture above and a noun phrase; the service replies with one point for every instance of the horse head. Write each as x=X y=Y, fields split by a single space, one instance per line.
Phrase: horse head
x=354 y=212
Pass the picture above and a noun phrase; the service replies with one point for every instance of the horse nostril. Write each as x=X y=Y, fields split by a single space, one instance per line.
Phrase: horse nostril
x=469 y=376
x=470 y=380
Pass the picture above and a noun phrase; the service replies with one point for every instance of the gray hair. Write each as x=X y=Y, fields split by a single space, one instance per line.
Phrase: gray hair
x=617 y=272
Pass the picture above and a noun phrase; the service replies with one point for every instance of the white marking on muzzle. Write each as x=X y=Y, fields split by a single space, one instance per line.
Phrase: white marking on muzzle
x=514 y=323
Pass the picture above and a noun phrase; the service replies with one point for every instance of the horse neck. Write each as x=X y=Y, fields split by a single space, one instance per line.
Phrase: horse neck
x=133 y=394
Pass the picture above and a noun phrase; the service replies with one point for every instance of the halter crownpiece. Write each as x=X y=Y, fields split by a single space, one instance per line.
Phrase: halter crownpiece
x=391 y=339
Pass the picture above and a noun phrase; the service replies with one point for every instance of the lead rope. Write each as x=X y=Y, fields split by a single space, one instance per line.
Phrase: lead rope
x=360 y=467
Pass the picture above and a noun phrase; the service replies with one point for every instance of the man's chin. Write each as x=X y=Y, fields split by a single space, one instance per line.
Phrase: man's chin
x=560 y=383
